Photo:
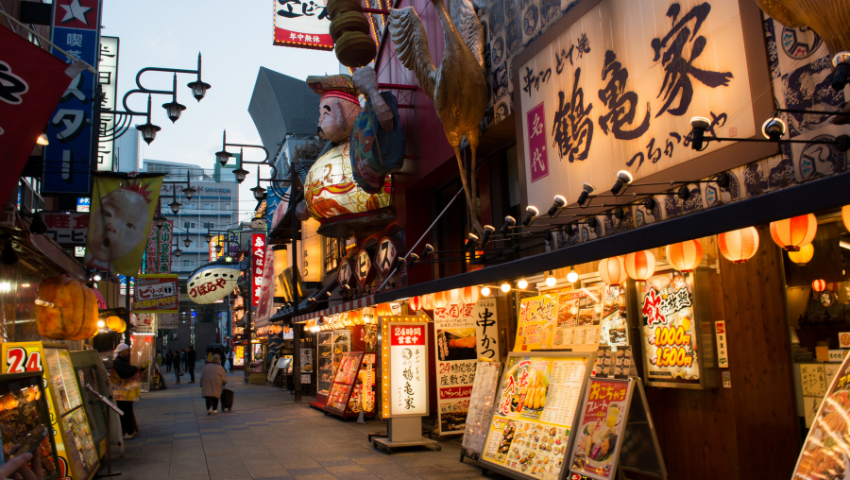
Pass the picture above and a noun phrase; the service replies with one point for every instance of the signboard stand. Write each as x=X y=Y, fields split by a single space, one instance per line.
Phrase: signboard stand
x=105 y=401
x=404 y=432
x=480 y=409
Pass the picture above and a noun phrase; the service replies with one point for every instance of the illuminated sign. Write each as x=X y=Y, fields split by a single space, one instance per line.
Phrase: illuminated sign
x=107 y=77
x=408 y=369
x=156 y=294
x=258 y=264
x=363 y=268
x=212 y=283
x=310 y=251
x=302 y=25
x=386 y=256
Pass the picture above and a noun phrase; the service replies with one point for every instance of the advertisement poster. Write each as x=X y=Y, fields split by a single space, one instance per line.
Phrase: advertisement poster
x=464 y=333
x=536 y=323
x=826 y=453
x=343 y=385
x=156 y=294
x=591 y=316
x=537 y=401
x=408 y=370
x=302 y=25
x=601 y=428
x=239 y=356
x=145 y=324
x=365 y=385
x=669 y=334
x=481 y=405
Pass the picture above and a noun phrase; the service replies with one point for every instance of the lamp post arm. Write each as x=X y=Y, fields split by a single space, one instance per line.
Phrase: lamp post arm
x=262 y=162
x=149 y=92
x=157 y=69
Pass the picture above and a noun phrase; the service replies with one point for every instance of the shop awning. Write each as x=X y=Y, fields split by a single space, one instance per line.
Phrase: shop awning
x=343 y=307
x=817 y=195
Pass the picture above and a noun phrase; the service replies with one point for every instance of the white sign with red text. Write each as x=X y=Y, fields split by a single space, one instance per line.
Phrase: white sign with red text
x=156 y=294
x=408 y=370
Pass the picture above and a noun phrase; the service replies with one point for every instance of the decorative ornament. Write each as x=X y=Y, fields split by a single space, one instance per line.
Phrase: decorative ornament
x=802 y=256
x=828 y=18
x=738 y=246
x=116 y=324
x=454 y=296
x=793 y=233
x=428 y=301
x=686 y=256
x=441 y=300
x=613 y=271
x=384 y=310
x=640 y=265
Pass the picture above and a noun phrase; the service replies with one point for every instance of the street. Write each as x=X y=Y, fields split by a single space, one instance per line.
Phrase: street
x=267 y=436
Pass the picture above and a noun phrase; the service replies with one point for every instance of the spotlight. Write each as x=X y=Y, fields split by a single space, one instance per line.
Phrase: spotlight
x=723 y=180
x=485 y=290
x=773 y=129
x=572 y=276
x=471 y=241
x=522 y=284
x=550 y=279
x=649 y=203
x=413 y=259
x=684 y=193
x=623 y=178
x=699 y=126
x=560 y=202
x=429 y=249
x=530 y=212
x=569 y=229
x=592 y=222
x=9 y=256
x=42 y=140
x=586 y=190
x=509 y=222
x=37 y=226
x=488 y=230
x=841 y=62
x=619 y=213
x=506 y=287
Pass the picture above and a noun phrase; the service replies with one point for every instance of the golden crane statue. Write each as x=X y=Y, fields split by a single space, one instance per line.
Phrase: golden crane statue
x=458 y=87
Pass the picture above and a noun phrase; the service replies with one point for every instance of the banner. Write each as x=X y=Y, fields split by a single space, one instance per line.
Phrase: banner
x=302 y=25
x=68 y=158
x=107 y=71
x=258 y=263
x=31 y=84
x=265 y=309
x=156 y=294
x=122 y=210
x=158 y=252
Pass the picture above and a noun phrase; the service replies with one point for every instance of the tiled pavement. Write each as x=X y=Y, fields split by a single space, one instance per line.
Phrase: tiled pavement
x=267 y=437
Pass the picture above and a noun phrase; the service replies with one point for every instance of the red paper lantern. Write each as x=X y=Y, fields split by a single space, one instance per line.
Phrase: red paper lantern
x=739 y=245
x=428 y=301
x=454 y=296
x=793 y=233
x=441 y=300
x=845 y=216
x=613 y=271
x=415 y=304
x=384 y=310
x=819 y=285
x=470 y=295
x=640 y=265
x=685 y=256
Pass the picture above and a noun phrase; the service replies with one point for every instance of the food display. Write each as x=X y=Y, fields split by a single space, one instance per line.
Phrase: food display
x=344 y=380
x=23 y=411
x=332 y=345
x=537 y=400
x=601 y=428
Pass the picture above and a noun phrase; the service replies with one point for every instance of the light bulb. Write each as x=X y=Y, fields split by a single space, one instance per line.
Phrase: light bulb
x=572 y=277
x=522 y=284
x=100 y=324
x=485 y=291
x=506 y=287
x=550 y=280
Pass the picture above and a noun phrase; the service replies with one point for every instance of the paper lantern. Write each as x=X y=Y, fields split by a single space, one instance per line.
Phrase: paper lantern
x=116 y=324
x=819 y=285
x=454 y=296
x=384 y=310
x=845 y=216
x=685 y=256
x=441 y=300
x=428 y=301
x=470 y=295
x=739 y=245
x=414 y=304
x=73 y=315
x=802 y=256
x=793 y=233
x=613 y=271
x=640 y=265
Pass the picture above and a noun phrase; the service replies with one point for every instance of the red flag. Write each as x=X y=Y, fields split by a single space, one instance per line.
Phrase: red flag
x=32 y=82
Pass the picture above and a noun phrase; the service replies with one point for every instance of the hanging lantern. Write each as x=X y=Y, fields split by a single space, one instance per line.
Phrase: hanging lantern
x=793 y=233
x=415 y=304
x=454 y=296
x=470 y=295
x=686 y=256
x=739 y=245
x=428 y=301
x=116 y=324
x=384 y=310
x=819 y=285
x=640 y=265
x=441 y=300
x=802 y=256
x=845 y=216
x=613 y=271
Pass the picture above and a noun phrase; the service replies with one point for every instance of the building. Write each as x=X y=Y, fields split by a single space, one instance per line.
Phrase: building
x=128 y=151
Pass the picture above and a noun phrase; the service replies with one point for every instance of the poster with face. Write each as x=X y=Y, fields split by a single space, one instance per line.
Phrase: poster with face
x=121 y=212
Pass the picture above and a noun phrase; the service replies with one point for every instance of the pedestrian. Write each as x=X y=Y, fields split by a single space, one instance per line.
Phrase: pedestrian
x=230 y=359
x=191 y=358
x=184 y=355
x=177 y=363
x=121 y=366
x=213 y=377
x=159 y=358
x=223 y=360
x=168 y=358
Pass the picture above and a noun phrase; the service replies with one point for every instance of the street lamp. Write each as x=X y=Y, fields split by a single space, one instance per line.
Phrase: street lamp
x=187 y=242
x=160 y=220
x=208 y=237
x=240 y=174
x=189 y=192
x=218 y=248
x=178 y=252
x=172 y=108
x=175 y=206
x=259 y=192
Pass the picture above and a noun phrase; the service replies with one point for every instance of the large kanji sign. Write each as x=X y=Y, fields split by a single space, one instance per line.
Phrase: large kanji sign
x=31 y=83
x=302 y=24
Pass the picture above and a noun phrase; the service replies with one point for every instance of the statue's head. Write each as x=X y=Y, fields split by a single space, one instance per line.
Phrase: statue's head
x=338 y=107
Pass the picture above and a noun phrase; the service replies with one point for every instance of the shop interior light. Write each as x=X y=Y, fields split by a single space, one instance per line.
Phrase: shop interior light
x=509 y=222
x=42 y=140
x=506 y=287
x=560 y=202
x=522 y=284
x=773 y=129
x=531 y=213
x=97 y=276
x=623 y=178
x=550 y=279
x=485 y=290
x=101 y=324
x=572 y=277
x=586 y=190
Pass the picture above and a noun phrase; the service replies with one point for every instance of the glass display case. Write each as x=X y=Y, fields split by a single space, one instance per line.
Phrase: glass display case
x=332 y=345
x=23 y=407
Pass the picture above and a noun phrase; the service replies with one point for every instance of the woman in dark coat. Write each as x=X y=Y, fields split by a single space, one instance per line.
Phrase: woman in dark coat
x=121 y=366
x=169 y=357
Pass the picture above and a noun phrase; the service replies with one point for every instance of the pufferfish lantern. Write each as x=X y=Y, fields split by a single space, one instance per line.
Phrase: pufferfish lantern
x=348 y=189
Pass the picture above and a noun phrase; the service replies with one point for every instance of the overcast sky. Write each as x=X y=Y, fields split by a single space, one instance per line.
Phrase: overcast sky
x=235 y=38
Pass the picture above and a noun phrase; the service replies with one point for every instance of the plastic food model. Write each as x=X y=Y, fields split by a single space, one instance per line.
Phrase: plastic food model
x=21 y=413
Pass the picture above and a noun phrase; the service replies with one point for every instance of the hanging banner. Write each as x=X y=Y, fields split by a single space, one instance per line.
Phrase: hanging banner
x=156 y=294
x=68 y=159
x=310 y=251
x=302 y=25
x=258 y=264
x=158 y=253
x=464 y=333
x=32 y=84
x=107 y=77
x=265 y=309
x=122 y=210
x=146 y=324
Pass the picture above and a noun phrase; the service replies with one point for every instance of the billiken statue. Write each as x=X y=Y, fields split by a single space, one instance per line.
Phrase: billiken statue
x=348 y=189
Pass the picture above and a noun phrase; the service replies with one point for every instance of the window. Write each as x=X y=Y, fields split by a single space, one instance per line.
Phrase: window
x=332 y=246
x=193 y=206
x=209 y=224
x=188 y=225
x=227 y=207
x=188 y=263
x=209 y=206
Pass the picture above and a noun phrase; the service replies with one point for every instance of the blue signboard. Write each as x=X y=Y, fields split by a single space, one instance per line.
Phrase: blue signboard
x=68 y=157
x=83 y=204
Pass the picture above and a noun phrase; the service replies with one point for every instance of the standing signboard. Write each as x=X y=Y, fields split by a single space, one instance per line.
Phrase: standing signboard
x=68 y=157
x=344 y=381
x=156 y=294
x=107 y=77
x=463 y=334
x=480 y=408
x=302 y=25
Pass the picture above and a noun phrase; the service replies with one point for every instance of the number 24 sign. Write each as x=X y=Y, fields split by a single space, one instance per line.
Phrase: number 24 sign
x=18 y=361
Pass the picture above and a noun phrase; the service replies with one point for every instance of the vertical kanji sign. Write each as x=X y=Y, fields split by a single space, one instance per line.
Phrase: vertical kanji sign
x=107 y=78
x=408 y=369
x=258 y=265
x=158 y=252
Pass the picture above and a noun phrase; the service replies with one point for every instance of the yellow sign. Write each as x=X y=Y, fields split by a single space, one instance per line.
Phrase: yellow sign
x=536 y=323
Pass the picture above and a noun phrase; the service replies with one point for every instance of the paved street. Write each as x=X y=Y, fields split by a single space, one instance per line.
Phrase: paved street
x=267 y=436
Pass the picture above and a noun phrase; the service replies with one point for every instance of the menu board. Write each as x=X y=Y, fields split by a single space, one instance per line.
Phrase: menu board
x=62 y=379
x=536 y=405
x=536 y=323
x=343 y=384
x=481 y=405
x=363 y=396
x=239 y=356
x=600 y=430
x=826 y=453
x=80 y=442
x=669 y=328
x=464 y=333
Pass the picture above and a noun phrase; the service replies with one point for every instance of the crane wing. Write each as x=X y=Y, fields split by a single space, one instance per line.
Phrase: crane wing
x=411 y=46
x=469 y=27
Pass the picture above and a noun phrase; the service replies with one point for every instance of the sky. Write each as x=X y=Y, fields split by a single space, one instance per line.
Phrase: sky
x=235 y=39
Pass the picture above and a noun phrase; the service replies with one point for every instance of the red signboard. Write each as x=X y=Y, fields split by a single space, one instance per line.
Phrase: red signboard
x=258 y=264
x=455 y=392
x=401 y=335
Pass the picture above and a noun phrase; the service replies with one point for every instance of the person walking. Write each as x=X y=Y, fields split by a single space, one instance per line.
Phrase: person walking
x=230 y=359
x=223 y=360
x=213 y=378
x=177 y=363
x=121 y=365
x=159 y=358
x=169 y=356
x=191 y=358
